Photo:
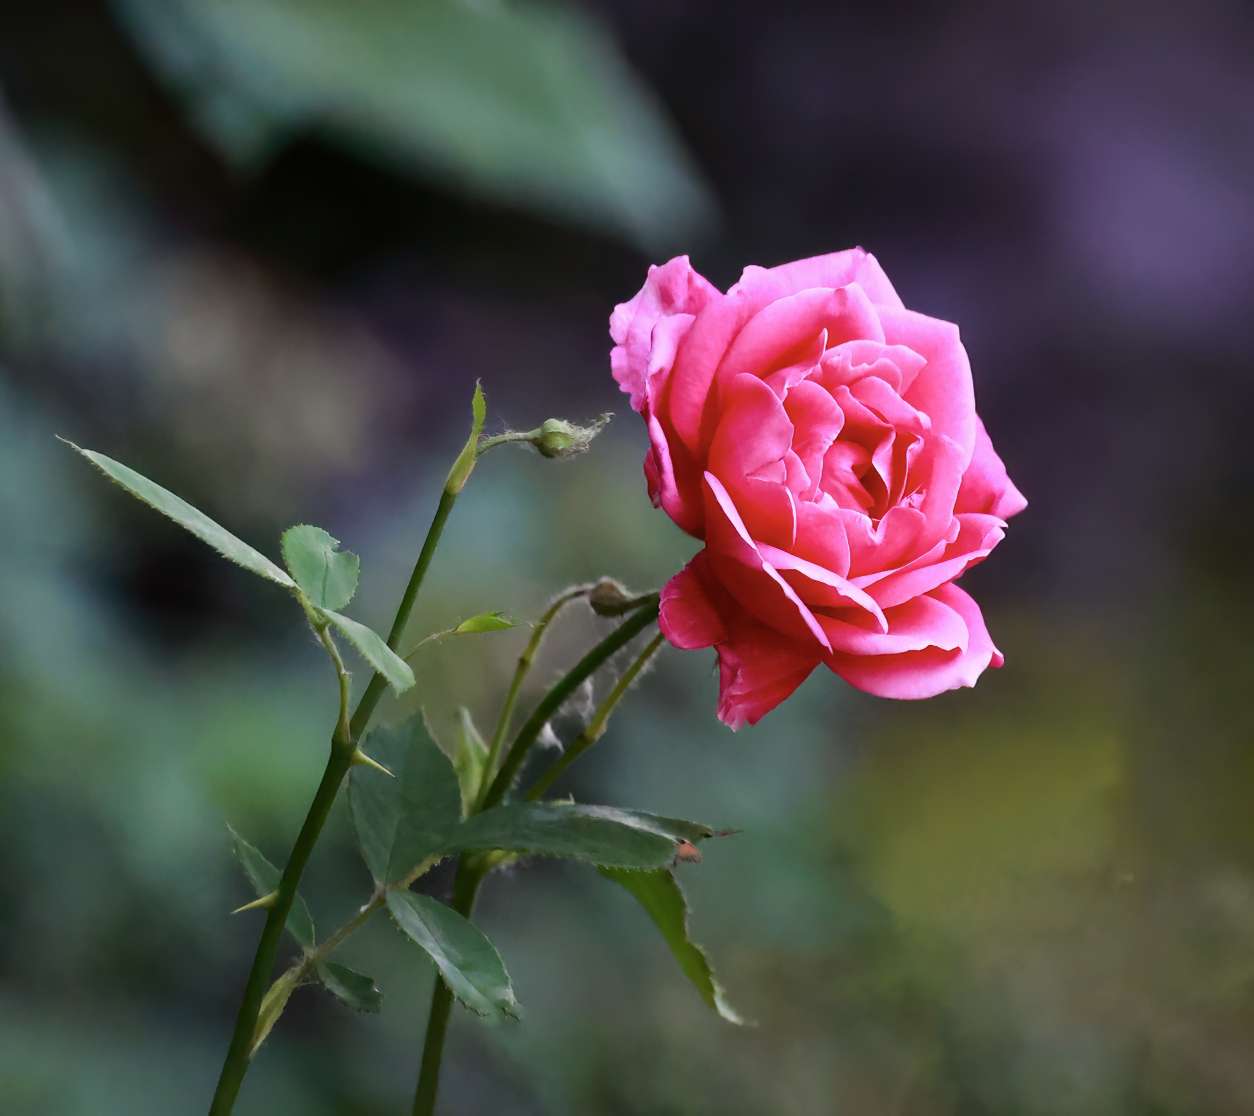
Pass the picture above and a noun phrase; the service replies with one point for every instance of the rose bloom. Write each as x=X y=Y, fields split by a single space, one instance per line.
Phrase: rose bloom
x=822 y=441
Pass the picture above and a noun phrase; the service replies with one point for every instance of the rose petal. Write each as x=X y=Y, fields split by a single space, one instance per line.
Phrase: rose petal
x=821 y=536
x=740 y=568
x=783 y=331
x=687 y=614
x=852 y=361
x=923 y=674
x=758 y=669
x=672 y=288
x=986 y=487
x=833 y=270
x=688 y=386
x=817 y=421
x=676 y=490
x=827 y=589
x=977 y=537
x=943 y=389
x=747 y=454
x=918 y=624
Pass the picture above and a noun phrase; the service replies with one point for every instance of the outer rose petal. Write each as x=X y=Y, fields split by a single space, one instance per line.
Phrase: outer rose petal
x=923 y=674
x=673 y=486
x=986 y=487
x=758 y=667
x=688 y=614
x=834 y=270
x=782 y=331
x=673 y=288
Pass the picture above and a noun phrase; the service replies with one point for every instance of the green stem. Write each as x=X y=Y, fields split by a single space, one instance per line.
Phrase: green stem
x=595 y=728
x=237 y=1055
x=465 y=890
x=469 y=875
x=374 y=690
x=645 y=615
x=347 y=732
x=312 y=957
x=515 y=685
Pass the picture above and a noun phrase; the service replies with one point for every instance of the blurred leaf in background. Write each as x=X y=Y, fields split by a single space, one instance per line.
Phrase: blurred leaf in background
x=526 y=104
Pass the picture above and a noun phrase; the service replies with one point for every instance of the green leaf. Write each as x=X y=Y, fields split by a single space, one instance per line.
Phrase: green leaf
x=187 y=517
x=264 y=877
x=403 y=820
x=374 y=649
x=484 y=622
x=529 y=104
x=355 y=989
x=601 y=835
x=325 y=574
x=470 y=755
x=468 y=962
x=662 y=898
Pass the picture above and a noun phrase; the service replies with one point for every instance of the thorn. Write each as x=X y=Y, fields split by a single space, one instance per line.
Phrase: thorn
x=262 y=904
x=360 y=757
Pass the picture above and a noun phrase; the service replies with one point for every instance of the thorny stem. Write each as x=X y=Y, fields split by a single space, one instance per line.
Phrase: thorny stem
x=235 y=1066
x=313 y=957
x=515 y=686
x=470 y=871
x=348 y=731
x=465 y=890
x=645 y=615
x=595 y=728
x=470 y=874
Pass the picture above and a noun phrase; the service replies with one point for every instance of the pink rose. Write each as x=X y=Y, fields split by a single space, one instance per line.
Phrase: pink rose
x=822 y=441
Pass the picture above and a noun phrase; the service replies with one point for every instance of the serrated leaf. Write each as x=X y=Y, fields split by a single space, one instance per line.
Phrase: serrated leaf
x=484 y=622
x=403 y=820
x=601 y=835
x=350 y=987
x=325 y=574
x=186 y=516
x=663 y=900
x=374 y=649
x=470 y=755
x=264 y=877
x=468 y=962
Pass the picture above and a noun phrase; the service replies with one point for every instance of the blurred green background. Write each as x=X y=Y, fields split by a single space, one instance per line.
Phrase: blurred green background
x=261 y=250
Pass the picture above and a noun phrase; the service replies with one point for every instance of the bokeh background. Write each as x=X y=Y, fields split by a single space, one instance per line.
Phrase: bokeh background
x=261 y=250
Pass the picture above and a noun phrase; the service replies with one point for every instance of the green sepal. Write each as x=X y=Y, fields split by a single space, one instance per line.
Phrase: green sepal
x=663 y=900
x=326 y=575
x=466 y=960
x=459 y=474
x=264 y=877
x=186 y=516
